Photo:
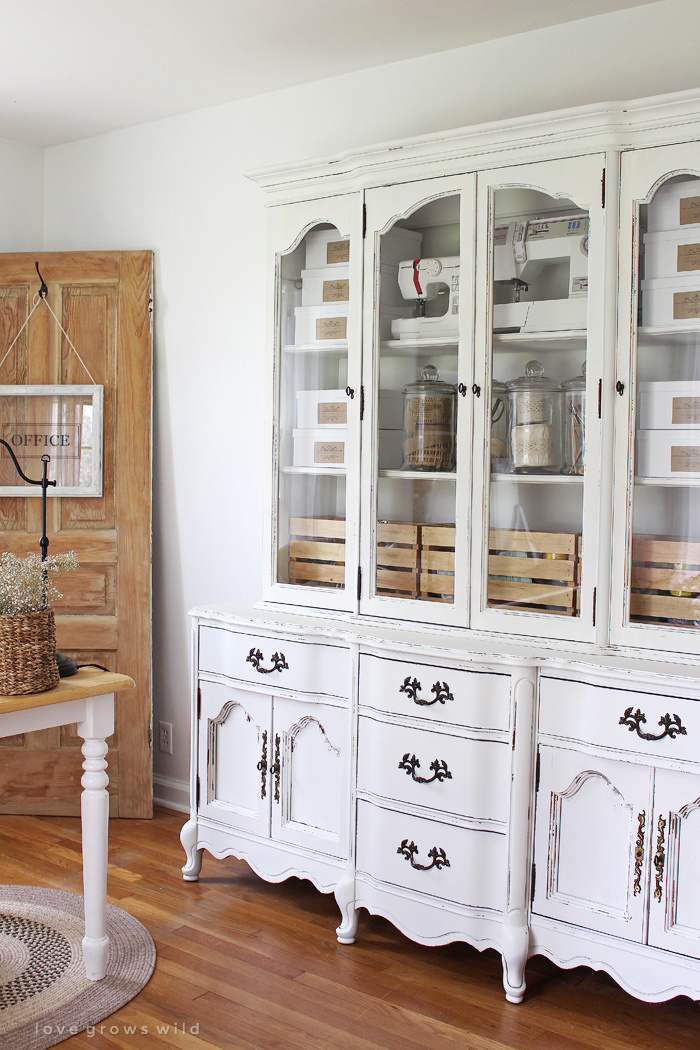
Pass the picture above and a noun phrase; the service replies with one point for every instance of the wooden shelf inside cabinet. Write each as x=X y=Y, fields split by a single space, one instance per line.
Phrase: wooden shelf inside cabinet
x=540 y=341
x=428 y=345
x=668 y=483
x=419 y=475
x=539 y=479
x=333 y=346
x=325 y=471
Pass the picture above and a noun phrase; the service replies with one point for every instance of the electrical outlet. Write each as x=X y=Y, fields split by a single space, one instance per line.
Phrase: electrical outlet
x=165 y=737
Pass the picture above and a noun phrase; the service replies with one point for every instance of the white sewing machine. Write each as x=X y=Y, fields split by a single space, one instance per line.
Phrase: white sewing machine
x=530 y=256
x=429 y=280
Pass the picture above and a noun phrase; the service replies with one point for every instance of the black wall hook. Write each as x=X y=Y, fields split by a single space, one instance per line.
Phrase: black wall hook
x=43 y=291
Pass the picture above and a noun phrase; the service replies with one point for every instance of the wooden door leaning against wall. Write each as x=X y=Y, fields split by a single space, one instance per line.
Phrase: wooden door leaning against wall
x=103 y=301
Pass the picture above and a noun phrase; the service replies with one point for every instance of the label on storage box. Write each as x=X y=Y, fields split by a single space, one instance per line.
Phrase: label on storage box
x=338 y=252
x=690 y=210
x=332 y=412
x=338 y=291
x=685 y=411
x=685 y=458
x=334 y=327
x=331 y=451
x=688 y=257
x=686 y=305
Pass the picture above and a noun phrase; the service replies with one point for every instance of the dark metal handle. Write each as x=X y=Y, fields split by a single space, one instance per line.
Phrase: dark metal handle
x=262 y=766
x=620 y=387
x=476 y=389
x=350 y=392
x=639 y=853
x=671 y=725
x=462 y=389
x=255 y=657
x=660 y=858
x=276 y=768
x=439 y=768
x=412 y=686
x=437 y=855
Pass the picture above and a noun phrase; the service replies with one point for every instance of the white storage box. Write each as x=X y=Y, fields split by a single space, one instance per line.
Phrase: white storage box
x=320 y=324
x=390 y=449
x=668 y=454
x=317 y=447
x=671 y=300
x=326 y=248
x=322 y=408
x=391 y=410
x=675 y=204
x=326 y=284
x=672 y=253
x=668 y=406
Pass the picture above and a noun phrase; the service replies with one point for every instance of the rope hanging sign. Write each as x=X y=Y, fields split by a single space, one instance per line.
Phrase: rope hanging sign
x=63 y=421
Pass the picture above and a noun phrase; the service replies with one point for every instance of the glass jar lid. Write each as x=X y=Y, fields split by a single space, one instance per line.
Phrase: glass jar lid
x=431 y=384
x=534 y=379
x=577 y=382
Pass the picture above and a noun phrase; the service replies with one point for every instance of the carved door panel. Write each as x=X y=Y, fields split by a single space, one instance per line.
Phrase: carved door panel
x=103 y=302
x=674 y=906
x=592 y=842
x=309 y=757
x=234 y=757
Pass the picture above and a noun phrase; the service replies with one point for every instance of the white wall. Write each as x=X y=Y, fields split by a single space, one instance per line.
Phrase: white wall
x=21 y=197
x=178 y=186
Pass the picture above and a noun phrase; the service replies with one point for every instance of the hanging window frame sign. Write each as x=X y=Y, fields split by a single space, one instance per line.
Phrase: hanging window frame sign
x=64 y=422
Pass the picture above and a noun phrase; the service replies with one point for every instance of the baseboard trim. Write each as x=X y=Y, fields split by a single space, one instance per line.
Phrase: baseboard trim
x=173 y=794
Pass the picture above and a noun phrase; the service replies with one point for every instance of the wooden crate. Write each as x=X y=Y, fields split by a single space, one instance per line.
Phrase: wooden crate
x=317 y=552
x=665 y=583
x=437 y=563
x=398 y=553
x=537 y=570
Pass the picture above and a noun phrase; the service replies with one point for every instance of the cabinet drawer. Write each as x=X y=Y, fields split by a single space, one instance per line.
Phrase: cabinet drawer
x=466 y=866
x=620 y=718
x=275 y=663
x=465 y=698
x=467 y=777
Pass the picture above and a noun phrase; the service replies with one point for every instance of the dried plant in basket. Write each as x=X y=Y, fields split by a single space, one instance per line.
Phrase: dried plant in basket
x=27 y=626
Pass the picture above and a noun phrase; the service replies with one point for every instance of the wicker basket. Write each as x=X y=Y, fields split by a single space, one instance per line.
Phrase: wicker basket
x=28 y=653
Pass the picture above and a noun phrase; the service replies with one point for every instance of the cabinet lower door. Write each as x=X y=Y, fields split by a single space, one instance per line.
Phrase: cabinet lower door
x=592 y=842
x=309 y=784
x=674 y=907
x=234 y=748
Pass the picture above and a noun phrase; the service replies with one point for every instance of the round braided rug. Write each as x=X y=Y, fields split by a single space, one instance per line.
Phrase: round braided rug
x=45 y=996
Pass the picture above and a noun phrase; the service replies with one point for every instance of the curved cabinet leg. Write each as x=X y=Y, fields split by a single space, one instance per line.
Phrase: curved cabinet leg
x=188 y=838
x=515 y=954
x=345 y=898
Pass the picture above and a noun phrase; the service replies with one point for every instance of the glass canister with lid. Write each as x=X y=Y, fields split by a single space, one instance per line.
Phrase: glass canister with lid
x=573 y=423
x=533 y=421
x=429 y=410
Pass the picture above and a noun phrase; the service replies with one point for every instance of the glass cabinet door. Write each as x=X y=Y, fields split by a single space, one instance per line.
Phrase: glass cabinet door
x=417 y=344
x=541 y=326
x=315 y=426
x=657 y=496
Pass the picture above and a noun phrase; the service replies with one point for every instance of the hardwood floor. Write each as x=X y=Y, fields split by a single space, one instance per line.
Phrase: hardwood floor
x=248 y=965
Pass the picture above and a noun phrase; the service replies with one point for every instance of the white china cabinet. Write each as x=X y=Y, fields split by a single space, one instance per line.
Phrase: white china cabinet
x=467 y=701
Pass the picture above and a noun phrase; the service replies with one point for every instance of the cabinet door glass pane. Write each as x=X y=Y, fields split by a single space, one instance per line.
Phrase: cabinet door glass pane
x=418 y=322
x=314 y=296
x=665 y=558
x=538 y=402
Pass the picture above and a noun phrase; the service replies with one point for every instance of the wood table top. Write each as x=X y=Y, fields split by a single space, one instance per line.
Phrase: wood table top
x=89 y=681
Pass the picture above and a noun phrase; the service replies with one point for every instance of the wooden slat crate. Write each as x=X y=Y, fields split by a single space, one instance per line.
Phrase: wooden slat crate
x=398 y=554
x=317 y=552
x=665 y=580
x=539 y=570
x=437 y=563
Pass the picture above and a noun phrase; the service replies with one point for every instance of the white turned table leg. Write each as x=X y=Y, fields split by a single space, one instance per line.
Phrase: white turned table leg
x=94 y=813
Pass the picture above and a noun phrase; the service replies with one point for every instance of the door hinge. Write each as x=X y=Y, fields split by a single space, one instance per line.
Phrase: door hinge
x=359 y=583
x=600 y=399
x=595 y=597
x=532 y=882
x=537 y=771
x=197 y=795
x=150 y=738
x=199 y=702
x=602 y=184
x=362 y=402
x=364 y=220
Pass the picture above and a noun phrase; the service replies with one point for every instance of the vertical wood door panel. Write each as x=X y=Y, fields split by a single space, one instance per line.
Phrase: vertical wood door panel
x=103 y=301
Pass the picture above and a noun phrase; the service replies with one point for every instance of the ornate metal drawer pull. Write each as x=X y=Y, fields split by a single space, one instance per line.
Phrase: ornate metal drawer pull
x=255 y=657
x=437 y=855
x=639 y=853
x=262 y=766
x=671 y=725
x=411 y=687
x=660 y=857
x=276 y=768
x=439 y=768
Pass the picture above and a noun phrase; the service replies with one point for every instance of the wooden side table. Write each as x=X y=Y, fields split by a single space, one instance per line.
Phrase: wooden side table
x=86 y=698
